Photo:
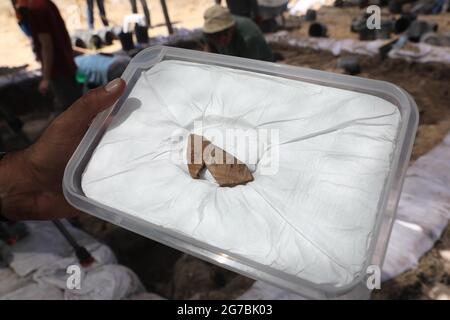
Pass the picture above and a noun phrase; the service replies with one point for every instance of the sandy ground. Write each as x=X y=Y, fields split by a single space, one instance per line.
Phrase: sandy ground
x=183 y=13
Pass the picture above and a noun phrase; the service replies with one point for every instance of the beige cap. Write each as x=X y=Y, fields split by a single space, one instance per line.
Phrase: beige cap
x=217 y=18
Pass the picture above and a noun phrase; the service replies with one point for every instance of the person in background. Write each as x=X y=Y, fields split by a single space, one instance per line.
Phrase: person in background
x=90 y=13
x=234 y=35
x=31 y=179
x=53 y=49
x=144 y=8
x=22 y=21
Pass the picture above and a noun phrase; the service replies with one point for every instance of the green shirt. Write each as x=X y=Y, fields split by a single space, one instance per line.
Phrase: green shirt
x=248 y=41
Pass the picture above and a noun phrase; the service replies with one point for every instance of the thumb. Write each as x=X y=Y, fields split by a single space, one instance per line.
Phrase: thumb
x=78 y=117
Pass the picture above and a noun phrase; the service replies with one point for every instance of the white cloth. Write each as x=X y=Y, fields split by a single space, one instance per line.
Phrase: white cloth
x=301 y=6
x=312 y=219
x=419 y=52
x=40 y=261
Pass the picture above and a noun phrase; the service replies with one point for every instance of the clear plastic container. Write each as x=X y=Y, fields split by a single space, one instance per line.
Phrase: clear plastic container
x=387 y=204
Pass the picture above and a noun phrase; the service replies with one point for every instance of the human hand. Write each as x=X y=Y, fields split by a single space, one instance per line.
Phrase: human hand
x=44 y=86
x=31 y=179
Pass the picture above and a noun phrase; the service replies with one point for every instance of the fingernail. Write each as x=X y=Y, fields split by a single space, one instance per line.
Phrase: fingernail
x=113 y=85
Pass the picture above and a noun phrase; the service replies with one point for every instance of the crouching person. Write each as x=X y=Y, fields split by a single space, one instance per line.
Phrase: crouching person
x=234 y=35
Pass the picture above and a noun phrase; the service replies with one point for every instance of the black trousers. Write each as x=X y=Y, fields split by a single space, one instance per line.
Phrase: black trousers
x=101 y=10
x=144 y=8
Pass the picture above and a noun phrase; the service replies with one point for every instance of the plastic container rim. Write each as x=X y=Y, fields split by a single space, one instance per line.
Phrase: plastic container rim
x=386 y=208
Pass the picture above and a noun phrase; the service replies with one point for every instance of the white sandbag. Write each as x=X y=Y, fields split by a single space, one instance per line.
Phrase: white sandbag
x=300 y=7
x=422 y=52
x=423 y=213
x=312 y=218
x=419 y=52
